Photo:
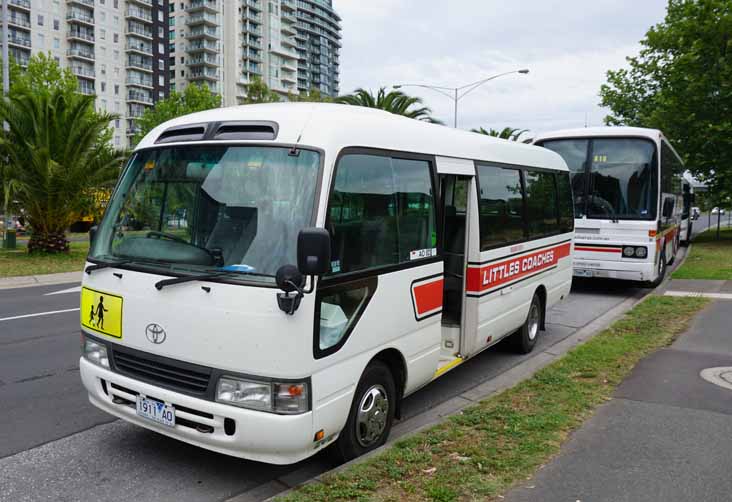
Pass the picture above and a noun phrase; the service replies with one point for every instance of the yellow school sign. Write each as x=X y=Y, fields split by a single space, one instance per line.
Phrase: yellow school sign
x=101 y=312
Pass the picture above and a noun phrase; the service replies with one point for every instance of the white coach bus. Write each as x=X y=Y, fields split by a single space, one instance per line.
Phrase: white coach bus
x=271 y=279
x=632 y=206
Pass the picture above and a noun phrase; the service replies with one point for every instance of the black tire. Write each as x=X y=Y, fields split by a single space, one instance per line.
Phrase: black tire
x=524 y=340
x=661 y=271
x=355 y=439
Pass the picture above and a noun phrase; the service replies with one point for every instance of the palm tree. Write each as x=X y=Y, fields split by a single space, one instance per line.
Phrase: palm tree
x=509 y=133
x=393 y=101
x=58 y=151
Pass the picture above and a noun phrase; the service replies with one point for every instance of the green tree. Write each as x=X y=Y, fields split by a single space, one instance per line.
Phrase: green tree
x=509 y=133
x=42 y=72
x=312 y=96
x=194 y=98
x=393 y=101
x=58 y=150
x=258 y=92
x=681 y=83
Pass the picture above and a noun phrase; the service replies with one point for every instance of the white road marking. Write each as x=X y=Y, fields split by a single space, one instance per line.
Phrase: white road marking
x=75 y=289
x=39 y=314
x=697 y=294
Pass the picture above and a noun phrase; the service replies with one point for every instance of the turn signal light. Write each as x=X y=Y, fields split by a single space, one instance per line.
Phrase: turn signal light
x=652 y=233
x=319 y=435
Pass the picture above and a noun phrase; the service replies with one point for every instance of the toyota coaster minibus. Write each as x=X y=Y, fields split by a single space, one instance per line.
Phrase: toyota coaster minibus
x=271 y=279
x=631 y=203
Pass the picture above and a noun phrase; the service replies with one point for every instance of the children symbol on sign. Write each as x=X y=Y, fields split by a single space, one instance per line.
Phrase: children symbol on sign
x=91 y=316
x=100 y=313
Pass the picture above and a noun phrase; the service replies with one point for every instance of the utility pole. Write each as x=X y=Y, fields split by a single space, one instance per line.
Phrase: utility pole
x=9 y=243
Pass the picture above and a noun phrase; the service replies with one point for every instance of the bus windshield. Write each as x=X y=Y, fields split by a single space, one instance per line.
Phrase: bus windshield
x=208 y=209
x=612 y=178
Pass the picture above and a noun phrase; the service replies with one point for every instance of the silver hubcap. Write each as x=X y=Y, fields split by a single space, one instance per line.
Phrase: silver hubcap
x=372 y=413
x=534 y=317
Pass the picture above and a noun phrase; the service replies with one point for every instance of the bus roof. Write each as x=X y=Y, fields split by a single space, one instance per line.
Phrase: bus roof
x=332 y=127
x=642 y=132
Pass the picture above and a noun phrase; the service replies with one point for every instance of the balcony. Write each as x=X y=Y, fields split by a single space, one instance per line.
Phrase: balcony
x=87 y=36
x=138 y=64
x=210 y=75
x=139 y=14
x=139 y=97
x=139 y=48
x=202 y=19
x=253 y=68
x=80 y=18
x=134 y=81
x=254 y=4
x=142 y=2
x=87 y=89
x=254 y=30
x=82 y=71
x=209 y=47
x=202 y=6
x=77 y=53
x=203 y=32
x=138 y=31
x=204 y=60
x=85 y=3
x=19 y=21
x=21 y=4
x=254 y=55
x=14 y=39
x=135 y=112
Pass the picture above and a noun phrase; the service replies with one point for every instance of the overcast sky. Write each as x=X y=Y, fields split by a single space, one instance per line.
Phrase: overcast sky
x=566 y=44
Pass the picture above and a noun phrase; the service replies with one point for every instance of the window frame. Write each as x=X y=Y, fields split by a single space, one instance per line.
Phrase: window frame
x=241 y=281
x=329 y=280
x=522 y=169
x=371 y=283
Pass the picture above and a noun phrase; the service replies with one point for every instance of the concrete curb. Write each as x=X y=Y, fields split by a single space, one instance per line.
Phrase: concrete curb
x=27 y=281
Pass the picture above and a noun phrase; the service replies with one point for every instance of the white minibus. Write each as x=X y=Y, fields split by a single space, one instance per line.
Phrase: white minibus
x=271 y=279
x=632 y=205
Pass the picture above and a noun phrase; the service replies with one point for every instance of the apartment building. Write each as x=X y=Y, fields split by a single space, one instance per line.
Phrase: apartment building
x=291 y=45
x=118 y=49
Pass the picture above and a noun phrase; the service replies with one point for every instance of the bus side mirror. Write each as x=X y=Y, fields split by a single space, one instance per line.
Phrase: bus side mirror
x=313 y=251
x=92 y=234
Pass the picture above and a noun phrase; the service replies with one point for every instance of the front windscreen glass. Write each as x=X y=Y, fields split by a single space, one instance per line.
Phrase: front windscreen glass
x=612 y=178
x=205 y=209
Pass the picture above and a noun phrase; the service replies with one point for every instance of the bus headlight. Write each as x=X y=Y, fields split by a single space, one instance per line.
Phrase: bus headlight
x=285 y=398
x=641 y=252
x=95 y=353
x=628 y=251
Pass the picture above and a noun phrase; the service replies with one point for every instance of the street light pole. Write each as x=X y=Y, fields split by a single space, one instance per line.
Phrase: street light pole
x=6 y=88
x=455 y=92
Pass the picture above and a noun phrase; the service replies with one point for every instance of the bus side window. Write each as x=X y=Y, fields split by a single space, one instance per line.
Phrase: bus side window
x=541 y=203
x=338 y=308
x=381 y=210
x=501 y=206
x=566 y=205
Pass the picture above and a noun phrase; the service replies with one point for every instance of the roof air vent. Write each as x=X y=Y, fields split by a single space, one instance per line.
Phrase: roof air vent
x=188 y=132
x=250 y=130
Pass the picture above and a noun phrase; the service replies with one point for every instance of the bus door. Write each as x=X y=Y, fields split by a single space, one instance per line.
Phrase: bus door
x=457 y=190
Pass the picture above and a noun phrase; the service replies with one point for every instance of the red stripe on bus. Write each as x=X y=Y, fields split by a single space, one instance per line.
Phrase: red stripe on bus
x=599 y=250
x=489 y=276
x=428 y=297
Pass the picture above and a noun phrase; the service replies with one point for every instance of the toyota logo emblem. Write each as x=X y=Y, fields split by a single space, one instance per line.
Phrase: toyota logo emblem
x=155 y=333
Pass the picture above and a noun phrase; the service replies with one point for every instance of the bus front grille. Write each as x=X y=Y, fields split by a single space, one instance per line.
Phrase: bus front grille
x=164 y=372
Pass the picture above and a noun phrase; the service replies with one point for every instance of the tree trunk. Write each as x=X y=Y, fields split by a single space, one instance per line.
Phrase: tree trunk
x=51 y=242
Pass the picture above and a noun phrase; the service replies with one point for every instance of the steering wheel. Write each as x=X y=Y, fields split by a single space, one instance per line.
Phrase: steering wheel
x=167 y=236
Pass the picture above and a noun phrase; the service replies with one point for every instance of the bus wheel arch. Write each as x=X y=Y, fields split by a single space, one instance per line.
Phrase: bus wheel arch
x=396 y=363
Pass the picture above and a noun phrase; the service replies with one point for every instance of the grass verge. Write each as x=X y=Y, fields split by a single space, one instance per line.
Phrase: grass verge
x=709 y=258
x=481 y=452
x=18 y=262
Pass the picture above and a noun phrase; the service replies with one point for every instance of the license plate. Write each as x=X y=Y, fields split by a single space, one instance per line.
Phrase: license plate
x=578 y=272
x=156 y=411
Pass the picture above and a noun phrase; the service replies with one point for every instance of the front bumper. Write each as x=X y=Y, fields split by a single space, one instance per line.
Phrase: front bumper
x=625 y=270
x=260 y=436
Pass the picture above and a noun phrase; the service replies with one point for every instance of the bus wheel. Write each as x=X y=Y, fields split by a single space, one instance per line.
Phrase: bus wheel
x=372 y=413
x=661 y=271
x=525 y=338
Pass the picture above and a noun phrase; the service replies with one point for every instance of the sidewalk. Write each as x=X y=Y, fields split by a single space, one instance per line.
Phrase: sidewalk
x=25 y=281
x=667 y=433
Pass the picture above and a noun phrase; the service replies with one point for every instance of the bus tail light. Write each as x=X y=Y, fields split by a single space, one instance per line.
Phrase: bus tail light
x=285 y=398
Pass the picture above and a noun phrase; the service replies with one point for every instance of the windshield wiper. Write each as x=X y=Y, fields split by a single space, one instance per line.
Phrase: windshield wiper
x=99 y=266
x=188 y=278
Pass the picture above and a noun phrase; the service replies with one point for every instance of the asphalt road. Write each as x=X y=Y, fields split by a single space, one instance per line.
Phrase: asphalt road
x=55 y=446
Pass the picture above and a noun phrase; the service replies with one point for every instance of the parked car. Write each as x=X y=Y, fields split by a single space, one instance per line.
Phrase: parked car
x=718 y=210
